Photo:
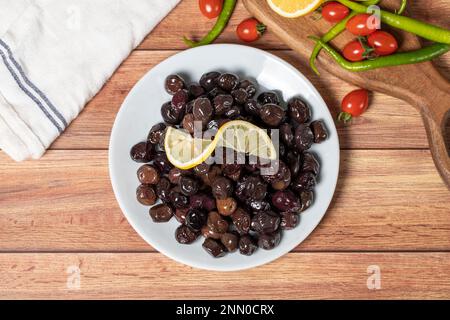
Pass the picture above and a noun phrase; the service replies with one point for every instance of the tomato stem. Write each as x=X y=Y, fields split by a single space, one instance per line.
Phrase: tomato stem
x=344 y=117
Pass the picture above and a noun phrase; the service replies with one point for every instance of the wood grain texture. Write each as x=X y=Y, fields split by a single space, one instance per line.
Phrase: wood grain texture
x=65 y=202
x=60 y=212
x=294 y=276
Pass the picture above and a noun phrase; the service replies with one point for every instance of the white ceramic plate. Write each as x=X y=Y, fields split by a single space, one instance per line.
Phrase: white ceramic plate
x=141 y=110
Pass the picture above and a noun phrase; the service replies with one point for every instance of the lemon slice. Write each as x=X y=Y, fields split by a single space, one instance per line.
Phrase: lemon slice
x=294 y=8
x=186 y=152
x=245 y=137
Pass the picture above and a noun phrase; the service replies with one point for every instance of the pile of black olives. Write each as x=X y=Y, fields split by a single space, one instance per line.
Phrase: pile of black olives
x=233 y=206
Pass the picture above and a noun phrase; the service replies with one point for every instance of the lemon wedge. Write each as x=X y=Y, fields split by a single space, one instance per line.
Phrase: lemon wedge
x=294 y=8
x=186 y=152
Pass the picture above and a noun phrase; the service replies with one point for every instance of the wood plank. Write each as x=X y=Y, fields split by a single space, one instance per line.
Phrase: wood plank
x=385 y=200
x=390 y=123
x=294 y=276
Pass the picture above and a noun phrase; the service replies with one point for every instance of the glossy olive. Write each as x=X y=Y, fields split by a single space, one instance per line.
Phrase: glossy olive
x=252 y=107
x=249 y=87
x=196 y=219
x=170 y=114
x=226 y=207
x=247 y=246
x=216 y=222
x=271 y=114
x=214 y=248
x=209 y=80
x=240 y=95
x=241 y=220
x=303 y=138
x=289 y=220
x=299 y=111
x=202 y=201
x=195 y=90
x=148 y=174
x=269 y=241
x=230 y=241
x=319 y=130
x=141 y=152
x=185 y=235
x=161 y=213
x=268 y=97
x=222 y=103
x=265 y=222
x=310 y=163
x=222 y=188
x=156 y=132
x=286 y=201
x=174 y=83
x=203 y=110
x=228 y=82
x=188 y=186
x=146 y=195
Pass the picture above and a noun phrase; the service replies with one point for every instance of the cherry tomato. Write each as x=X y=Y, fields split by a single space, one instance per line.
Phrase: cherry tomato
x=354 y=104
x=334 y=12
x=362 y=24
x=250 y=30
x=211 y=8
x=383 y=42
x=354 y=51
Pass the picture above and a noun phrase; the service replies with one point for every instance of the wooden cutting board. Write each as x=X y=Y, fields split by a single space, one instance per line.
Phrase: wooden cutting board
x=421 y=85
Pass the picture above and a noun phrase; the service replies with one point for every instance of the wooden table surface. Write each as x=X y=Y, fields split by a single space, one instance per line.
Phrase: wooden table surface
x=62 y=234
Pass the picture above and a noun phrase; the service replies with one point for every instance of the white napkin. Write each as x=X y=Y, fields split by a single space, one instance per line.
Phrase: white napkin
x=55 y=55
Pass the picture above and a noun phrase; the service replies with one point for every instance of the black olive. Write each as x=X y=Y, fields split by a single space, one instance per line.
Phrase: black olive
x=196 y=219
x=299 y=111
x=303 y=138
x=174 y=83
x=209 y=80
x=268 y=97
x=228 y=82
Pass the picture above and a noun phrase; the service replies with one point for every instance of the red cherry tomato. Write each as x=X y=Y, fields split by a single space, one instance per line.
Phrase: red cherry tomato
x=250 y=30
x=211 y=8
x=334 y=12
x=383 y=42
x=354 y=51
x=354 y=104
x=362 y=24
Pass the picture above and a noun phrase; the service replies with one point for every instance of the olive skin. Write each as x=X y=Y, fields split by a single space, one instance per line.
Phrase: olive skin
x=147 y=174
x=268 y=97
x=265 y=222
x=146 y=195
x=174 y=83
x=228 y=82
x=272 y=114
x=214 y=248
x=161 y=213
x=222 y=188
x=303 y=137
x=230 y=241
x=209 y=80
x=241 y=220
x=141 y=152
x=299 y=111
x=156 y=133
x=185 y=235
x=319 y=130
x=170 y=114
x=269 y=241
x=196 y=219
x=247 y=246
x=203 y=110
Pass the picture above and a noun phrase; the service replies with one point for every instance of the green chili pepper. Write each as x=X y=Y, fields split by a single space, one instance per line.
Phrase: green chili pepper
x=422 y=29
x=333 y=33
x=421 y=55
x=222 y=21
x=402 y=7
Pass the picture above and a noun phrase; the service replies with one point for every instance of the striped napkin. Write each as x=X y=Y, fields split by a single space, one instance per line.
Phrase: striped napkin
x=55 y=55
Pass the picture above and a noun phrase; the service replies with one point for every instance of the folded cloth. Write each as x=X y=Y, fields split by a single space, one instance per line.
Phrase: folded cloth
x=55 y=55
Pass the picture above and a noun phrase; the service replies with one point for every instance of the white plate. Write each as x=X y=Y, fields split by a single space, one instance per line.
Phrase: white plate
x=141 y=110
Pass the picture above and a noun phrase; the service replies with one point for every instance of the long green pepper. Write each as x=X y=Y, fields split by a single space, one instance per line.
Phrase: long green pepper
x=221 y=23
x=421 y=55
